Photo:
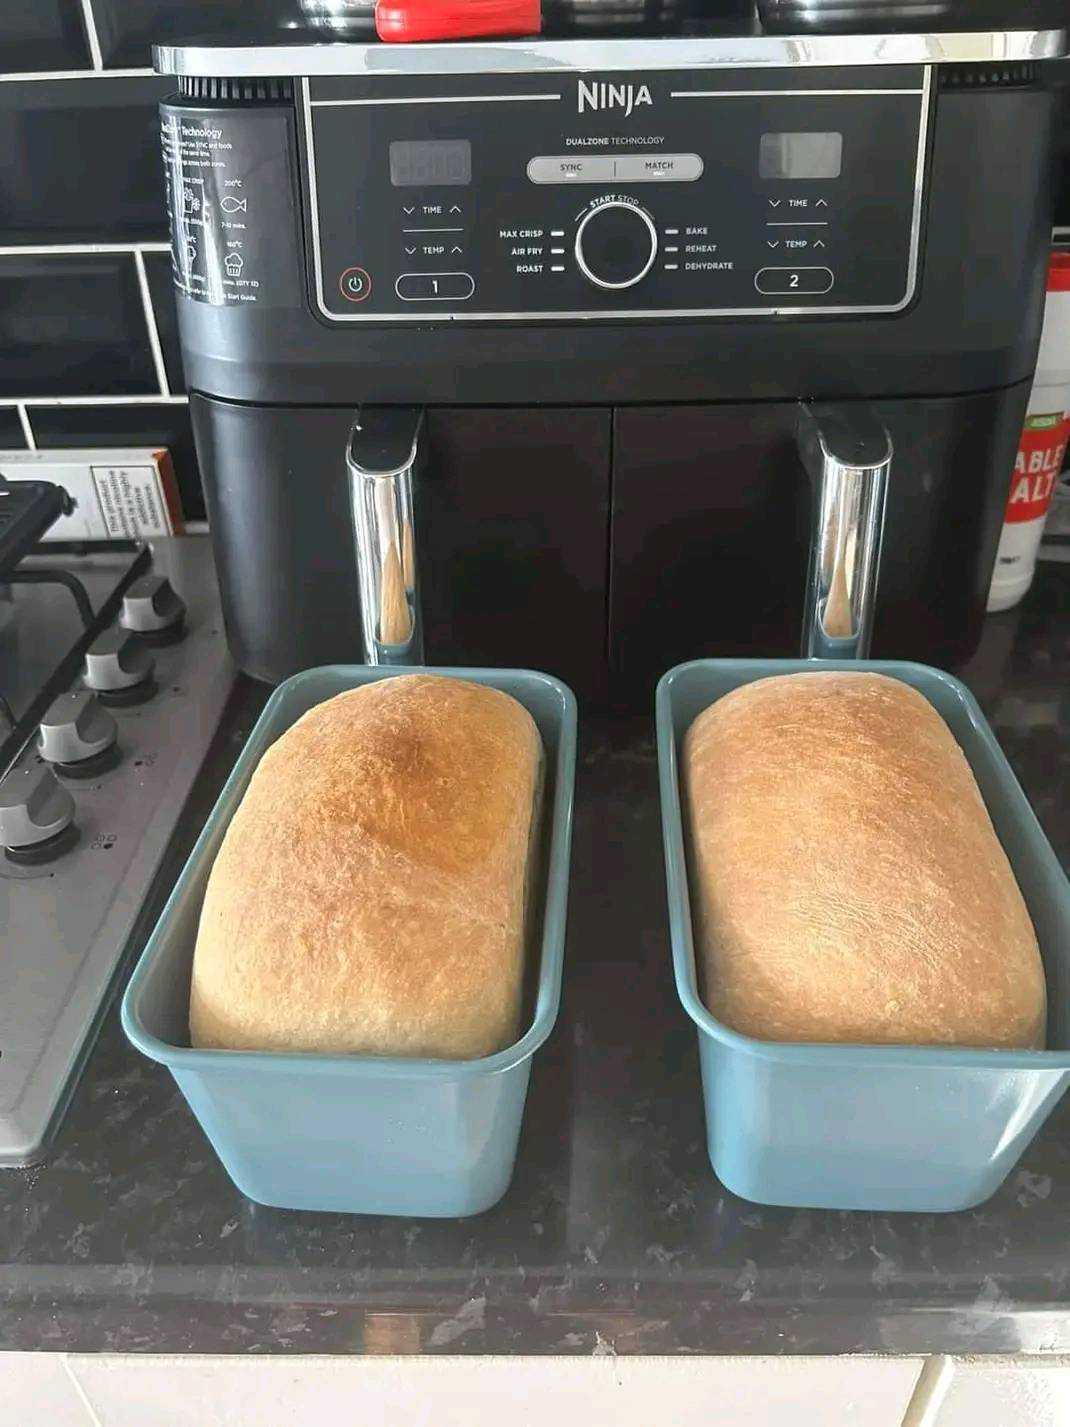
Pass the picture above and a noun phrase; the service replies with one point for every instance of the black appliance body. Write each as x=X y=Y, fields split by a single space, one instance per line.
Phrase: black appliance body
x=609 y=288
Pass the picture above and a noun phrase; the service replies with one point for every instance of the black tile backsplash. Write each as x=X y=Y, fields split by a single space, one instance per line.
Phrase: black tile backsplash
x=145 y=424
x=81 y=160
x=129 y=28
x=42 y=35
x=162 y=287
x=12 y=437
x=73 y=326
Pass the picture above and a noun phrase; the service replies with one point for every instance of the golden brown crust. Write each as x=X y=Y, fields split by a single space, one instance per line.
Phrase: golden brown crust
x=847 y=882
x=369 y=895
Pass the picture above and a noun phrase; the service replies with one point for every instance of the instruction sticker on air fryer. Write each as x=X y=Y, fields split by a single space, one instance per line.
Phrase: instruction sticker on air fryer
x=226 y=172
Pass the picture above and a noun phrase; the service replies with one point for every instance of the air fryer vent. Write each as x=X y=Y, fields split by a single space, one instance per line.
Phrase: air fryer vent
x=988 y=76
x=236 y=91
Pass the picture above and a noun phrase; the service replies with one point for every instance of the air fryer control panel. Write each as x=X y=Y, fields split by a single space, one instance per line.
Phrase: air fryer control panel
x=504 y=197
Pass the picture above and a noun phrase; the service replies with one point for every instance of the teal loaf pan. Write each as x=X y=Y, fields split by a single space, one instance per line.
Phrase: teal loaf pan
x=361 y=1134
x=870 y=1127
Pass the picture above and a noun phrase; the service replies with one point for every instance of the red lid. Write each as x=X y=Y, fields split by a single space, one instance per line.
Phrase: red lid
x=406 y=21
x=1059 y=271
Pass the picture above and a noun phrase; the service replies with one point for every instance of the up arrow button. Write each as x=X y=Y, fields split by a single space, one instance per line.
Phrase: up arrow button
x=821 y=203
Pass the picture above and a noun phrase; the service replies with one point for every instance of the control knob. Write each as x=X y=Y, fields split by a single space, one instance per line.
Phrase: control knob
x=616 y=244
x=119 y=668
x=152 y=610
x=36 y=813
x=78 y=736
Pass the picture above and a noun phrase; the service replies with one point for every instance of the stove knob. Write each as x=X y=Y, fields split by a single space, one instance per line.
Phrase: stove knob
x=119 y=668
x=77 y=735
x=36 y=814
x=153 y=610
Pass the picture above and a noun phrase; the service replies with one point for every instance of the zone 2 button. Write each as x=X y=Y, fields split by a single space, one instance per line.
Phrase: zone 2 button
x=355 y=284
x=789 y=280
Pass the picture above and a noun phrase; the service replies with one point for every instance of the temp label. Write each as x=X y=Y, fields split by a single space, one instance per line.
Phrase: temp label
x=224 y=172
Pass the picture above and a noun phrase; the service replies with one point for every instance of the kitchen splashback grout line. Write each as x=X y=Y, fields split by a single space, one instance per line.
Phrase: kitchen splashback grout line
x=37 y=75
x=135 y=399
x=150 y=324
x=67 y=250
x=27 y=428
x=90 y=22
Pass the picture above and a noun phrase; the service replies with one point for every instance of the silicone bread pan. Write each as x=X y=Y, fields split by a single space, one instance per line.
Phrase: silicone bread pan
x=856 y=1126
x=361 y=1134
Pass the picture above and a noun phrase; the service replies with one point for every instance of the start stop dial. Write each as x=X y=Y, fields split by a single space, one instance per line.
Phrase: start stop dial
x=616 y=244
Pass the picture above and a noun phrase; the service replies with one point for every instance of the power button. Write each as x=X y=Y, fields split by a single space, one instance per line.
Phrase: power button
x=355 y=284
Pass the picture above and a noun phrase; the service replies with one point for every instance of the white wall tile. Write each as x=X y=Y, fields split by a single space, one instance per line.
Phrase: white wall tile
x=487 y=1392
x=36 y=1391
x=990 y=1393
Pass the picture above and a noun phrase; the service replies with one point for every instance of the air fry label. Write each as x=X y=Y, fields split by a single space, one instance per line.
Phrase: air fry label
x=1037 y=466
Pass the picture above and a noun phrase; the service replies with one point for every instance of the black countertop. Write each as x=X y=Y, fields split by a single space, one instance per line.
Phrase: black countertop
x=615 y=1236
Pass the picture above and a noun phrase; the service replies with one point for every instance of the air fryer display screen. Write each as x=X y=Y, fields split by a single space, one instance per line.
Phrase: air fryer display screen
x=431 y=163
x=800 y=156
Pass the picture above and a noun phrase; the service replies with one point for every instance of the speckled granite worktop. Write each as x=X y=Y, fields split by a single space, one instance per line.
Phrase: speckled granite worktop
x=615 y=1236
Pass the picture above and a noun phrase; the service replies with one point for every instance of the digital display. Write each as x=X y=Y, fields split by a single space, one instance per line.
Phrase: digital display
x=430 y=163
x=800 y=156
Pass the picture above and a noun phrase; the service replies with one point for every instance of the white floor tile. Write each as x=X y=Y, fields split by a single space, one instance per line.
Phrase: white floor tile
x=36 y=1391
x=489 y=1392
x=988 y=1393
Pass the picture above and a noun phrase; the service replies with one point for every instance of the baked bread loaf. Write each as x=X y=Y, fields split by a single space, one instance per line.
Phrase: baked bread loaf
x=847 y=883
x=371 y=892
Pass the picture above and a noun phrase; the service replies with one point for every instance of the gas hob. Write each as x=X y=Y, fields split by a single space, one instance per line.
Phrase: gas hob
x=104 y=734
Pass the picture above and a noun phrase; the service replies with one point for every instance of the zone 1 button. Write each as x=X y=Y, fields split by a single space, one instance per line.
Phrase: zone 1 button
x=435 y=287
x=788 y=280
x=355 y=284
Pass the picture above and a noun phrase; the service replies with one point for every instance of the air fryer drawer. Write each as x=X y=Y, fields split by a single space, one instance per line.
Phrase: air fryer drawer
x=512 y=511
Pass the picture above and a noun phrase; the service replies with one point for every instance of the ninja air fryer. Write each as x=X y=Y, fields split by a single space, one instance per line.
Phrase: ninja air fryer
x=586 y=292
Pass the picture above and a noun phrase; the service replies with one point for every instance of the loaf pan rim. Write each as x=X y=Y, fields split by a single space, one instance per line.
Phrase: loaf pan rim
x=856 y=1055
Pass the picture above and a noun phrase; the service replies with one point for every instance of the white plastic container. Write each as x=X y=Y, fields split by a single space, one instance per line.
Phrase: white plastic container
x=1041 y=449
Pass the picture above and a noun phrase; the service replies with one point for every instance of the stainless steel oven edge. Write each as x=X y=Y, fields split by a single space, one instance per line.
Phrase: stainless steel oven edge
x=742 y=51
